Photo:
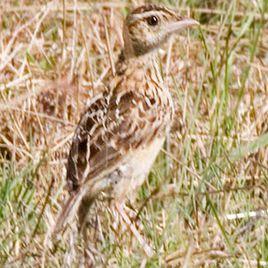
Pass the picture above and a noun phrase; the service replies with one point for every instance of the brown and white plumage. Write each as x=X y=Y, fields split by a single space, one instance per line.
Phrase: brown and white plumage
x=123 y=128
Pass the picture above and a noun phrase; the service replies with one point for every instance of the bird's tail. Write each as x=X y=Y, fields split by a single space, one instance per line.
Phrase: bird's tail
x=68 y=211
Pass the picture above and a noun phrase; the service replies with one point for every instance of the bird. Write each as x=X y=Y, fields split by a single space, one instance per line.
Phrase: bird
x=125 y=125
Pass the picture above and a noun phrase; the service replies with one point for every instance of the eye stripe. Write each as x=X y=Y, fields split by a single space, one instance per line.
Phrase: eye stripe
x=152 y=7
x=143 y=17
x=146 y=14
x=165 y=16
x=143 y=13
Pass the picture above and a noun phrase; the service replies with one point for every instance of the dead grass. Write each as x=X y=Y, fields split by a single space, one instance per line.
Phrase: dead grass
x=205 y=202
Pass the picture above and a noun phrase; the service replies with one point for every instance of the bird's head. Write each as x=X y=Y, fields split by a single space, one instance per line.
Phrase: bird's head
x=147 y=27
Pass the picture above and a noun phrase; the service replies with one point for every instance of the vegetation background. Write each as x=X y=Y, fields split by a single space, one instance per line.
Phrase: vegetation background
x=205 y=201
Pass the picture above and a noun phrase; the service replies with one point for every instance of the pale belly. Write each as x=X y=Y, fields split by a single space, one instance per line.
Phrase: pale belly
x=130 y=175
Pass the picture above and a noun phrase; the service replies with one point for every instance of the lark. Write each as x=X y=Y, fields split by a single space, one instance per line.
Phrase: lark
x=123 y=128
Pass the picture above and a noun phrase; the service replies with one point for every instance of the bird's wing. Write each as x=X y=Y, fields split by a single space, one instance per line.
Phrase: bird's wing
x=112 y=127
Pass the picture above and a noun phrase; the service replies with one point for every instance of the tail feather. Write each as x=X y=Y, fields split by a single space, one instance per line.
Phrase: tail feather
x=70 y=208
x=68 y=211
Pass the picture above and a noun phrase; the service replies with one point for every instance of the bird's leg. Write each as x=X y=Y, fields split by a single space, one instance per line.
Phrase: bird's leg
x=148 y=250
x=83 y=212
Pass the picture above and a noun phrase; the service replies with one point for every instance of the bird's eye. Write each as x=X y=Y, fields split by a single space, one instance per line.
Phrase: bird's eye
x=152 y=20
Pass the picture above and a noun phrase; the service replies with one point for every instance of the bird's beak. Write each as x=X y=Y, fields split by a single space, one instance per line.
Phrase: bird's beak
x=181 y=24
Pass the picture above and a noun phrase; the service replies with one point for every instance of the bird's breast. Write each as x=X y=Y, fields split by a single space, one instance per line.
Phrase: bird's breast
x=132 y=173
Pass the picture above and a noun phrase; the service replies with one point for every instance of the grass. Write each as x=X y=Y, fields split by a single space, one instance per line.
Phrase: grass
x=205 y=201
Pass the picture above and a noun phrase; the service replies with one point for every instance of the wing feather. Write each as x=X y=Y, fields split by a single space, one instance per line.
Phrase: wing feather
x=111 y=128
